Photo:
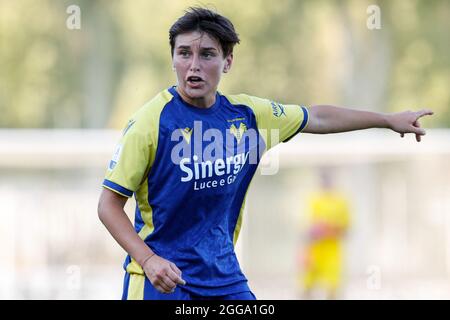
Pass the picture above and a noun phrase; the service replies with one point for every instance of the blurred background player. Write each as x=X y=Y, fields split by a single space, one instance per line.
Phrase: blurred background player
x=327 y=224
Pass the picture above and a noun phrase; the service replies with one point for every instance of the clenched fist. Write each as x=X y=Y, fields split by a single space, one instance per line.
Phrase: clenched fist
x=163 y=274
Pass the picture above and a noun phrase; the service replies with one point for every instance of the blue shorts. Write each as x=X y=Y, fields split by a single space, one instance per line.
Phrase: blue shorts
x=138 y=287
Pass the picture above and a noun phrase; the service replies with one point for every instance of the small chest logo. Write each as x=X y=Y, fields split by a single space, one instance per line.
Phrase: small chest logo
x=187 y=133
x=238 y=132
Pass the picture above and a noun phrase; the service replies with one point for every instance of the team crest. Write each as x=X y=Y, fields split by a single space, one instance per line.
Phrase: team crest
x=238 y=132
x=187 y=132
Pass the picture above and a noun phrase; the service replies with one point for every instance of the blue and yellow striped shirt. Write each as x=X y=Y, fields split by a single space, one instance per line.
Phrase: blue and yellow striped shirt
x=189 y=170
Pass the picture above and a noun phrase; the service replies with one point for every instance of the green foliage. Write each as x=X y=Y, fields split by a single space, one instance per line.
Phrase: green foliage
x=305 y=52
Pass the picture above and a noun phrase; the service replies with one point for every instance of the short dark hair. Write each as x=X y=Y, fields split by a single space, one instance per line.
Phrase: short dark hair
x=204 y=20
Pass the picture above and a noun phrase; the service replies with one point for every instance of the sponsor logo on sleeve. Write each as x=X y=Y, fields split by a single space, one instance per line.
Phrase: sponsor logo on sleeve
x=278 y=109
x=115 y=157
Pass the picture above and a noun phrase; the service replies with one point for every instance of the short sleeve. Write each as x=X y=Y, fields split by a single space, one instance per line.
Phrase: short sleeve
x=288 y=119
x=276 y=122
x=130 y=161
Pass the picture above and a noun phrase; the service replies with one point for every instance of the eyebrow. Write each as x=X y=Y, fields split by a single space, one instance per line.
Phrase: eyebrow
x=203 y=48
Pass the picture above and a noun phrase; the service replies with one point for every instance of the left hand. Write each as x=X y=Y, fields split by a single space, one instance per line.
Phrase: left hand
x=408 y=122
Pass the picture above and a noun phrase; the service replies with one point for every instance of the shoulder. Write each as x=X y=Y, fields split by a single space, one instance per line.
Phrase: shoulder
x=146 y=118
x=260 y=107
x=247 y=100
x=151 y=110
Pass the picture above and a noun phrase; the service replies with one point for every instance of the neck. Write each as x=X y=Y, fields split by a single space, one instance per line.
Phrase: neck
x=201 y=102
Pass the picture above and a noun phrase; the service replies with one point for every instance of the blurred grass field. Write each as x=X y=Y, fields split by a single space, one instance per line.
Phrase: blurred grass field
x=53 y=245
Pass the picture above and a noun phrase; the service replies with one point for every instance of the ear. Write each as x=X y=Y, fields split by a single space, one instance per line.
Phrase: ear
x=228 y=63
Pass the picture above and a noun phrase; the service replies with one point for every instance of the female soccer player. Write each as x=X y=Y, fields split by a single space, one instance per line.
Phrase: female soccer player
x=188 y=156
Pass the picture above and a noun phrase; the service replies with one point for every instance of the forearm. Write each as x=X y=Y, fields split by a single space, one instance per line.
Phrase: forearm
x=120 y=227
x=331 y=119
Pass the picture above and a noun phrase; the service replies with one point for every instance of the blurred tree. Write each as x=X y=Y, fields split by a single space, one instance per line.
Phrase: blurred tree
x=292 y=51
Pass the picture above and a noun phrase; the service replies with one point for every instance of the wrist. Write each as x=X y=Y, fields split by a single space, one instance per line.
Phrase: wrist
x=386 y=121
x=146 y=258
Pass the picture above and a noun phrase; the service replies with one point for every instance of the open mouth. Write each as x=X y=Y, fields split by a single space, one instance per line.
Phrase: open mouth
x=194 y=79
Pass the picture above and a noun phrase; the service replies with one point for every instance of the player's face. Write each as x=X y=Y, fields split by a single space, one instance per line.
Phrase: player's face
x=199 y=63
